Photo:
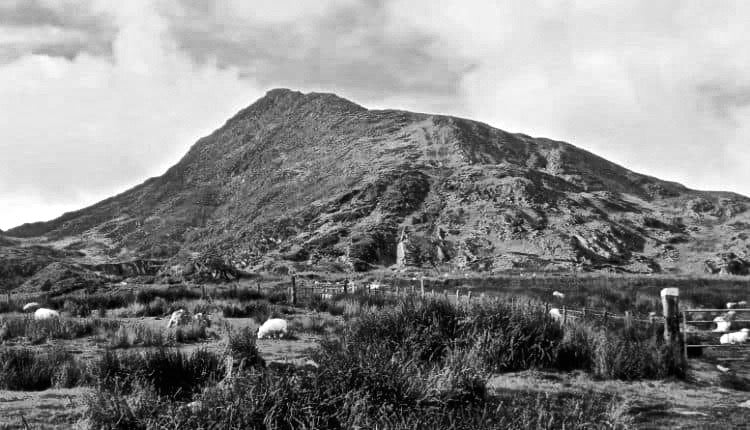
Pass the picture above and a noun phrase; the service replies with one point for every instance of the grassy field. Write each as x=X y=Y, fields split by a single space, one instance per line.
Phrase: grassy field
x=367 y=361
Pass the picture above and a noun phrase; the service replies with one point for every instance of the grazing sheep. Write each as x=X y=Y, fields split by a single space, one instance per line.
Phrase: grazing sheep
x=178 y=318
x=30 y=306
x=45 y=314
x=555 y=314
x=272 y=327
x=722 y=325
x=375 y=285
x=722 y=368
x=736 y=337
x=742 y=303
x=558 y=295
x=326 y=296
x=731 y=305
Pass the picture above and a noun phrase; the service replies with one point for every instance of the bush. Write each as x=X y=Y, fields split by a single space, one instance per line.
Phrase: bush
x=38 y=331
x=173 y=374
x=27 y=369
x=242 y=346
x=259 y=311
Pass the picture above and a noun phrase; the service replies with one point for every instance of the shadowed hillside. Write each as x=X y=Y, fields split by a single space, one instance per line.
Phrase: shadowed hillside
x=316 y=181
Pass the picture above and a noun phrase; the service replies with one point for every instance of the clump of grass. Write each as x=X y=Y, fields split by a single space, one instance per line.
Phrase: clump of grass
x=191 y=333
x=30 y=370
x=259 y=311
x=734 y=382
x=170 y=373
x=137 y=335
x=38 y=331
x=148 y=295
x=312 y=324
x=333 y=307
x=242 y=346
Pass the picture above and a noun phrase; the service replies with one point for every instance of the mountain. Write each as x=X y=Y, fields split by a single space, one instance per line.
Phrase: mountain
x=314 y=181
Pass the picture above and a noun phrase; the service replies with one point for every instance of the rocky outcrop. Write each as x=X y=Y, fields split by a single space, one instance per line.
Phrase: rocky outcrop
x=728 y=263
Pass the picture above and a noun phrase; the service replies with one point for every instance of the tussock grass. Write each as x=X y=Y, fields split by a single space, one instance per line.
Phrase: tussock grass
x=31 y=370
x=38 y=331
x=170 y=373
x=415 y=365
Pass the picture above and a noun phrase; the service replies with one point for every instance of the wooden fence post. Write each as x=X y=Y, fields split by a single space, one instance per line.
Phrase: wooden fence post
x=565 y=315
x=257 y=285
x=421 y=288
x=457 y=295
x=293 y=292
x=628 y=320
x=605 y=316
x=468 y=297
x=346 y=286
x=670 y=302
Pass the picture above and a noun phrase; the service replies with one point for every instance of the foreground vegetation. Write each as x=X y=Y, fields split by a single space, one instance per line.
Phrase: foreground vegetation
x=412 y=365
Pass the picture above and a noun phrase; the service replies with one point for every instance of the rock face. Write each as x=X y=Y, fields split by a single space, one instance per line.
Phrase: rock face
x=315 y=181
x=728 y=263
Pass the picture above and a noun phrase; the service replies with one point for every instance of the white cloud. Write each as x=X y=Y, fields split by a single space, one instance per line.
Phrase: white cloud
x=74 y=132
x=659 y=87
x=621 y=79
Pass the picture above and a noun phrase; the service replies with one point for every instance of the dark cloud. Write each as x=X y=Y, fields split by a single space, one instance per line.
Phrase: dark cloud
x=61 y=29
x=350 y=48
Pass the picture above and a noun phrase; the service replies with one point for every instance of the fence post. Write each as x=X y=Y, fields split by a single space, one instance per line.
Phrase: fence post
x=445 y=293
x=346 y=286
x=628 y=320
x=293 y=292
x=468 y=296
x=457 y=295
x=605 y=316
x=203 y=291
x=565 y=315
x=584 y=313
x=670 y=301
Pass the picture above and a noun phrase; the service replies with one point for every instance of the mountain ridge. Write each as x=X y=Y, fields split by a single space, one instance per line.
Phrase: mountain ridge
x=316 y=181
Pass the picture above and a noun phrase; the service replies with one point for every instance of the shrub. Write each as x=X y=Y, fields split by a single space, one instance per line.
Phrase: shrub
x=38 y=331
x=27 y=369
x=170 y=373
x=242 y=346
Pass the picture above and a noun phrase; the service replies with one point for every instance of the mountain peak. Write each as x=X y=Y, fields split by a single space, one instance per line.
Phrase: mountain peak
x=315 y=179
x=284 y=98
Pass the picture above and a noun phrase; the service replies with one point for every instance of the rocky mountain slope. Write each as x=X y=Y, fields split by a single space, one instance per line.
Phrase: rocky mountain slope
x=315 y=181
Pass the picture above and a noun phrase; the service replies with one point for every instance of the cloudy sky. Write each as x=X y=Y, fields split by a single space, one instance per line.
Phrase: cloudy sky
x=96 y=96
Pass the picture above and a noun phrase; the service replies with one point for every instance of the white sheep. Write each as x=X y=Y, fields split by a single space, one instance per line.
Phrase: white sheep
x=326 y=296
x=722 y=325
x=178 y=318
x=736 y=337
x=742 y=303
x=555 y=314
x=731 y=305
x=30 y=306
x=272 y=327
x=558 y=295
x=45 y=314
